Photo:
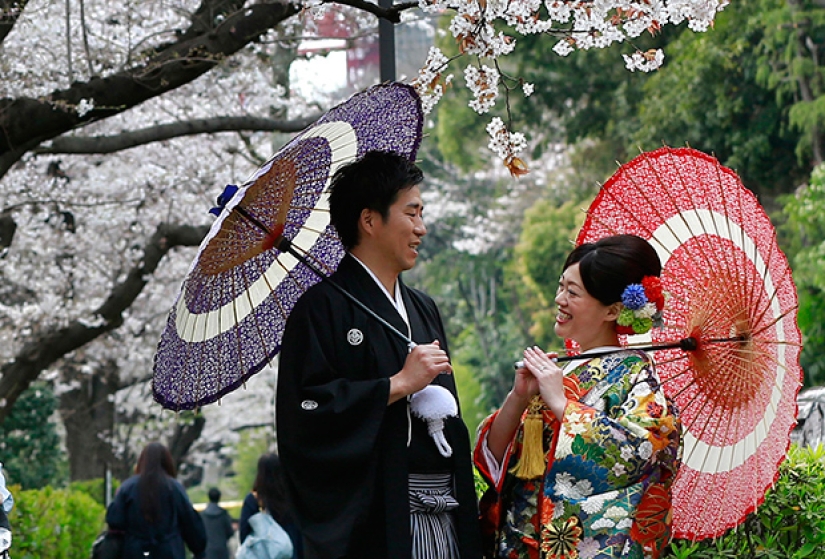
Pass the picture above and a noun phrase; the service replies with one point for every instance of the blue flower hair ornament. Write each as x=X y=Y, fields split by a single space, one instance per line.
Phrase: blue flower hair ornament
x=643 y=304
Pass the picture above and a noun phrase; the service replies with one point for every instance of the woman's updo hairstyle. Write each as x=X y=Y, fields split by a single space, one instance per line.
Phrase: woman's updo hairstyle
x=609 y=265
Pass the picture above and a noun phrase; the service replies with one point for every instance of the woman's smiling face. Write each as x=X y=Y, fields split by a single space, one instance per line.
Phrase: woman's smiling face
x=581 y=317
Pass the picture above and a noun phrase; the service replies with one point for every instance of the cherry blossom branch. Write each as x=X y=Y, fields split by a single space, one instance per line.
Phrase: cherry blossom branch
x=44 y=348
x=10 y=11
x=578 y=24
x=392 y=14
x=126 y=140
x=25 y=122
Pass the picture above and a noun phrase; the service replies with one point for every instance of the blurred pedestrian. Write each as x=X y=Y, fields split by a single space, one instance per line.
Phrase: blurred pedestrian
x=6 y=503
x=269 y=494
x=218 y=527
x=153 y=511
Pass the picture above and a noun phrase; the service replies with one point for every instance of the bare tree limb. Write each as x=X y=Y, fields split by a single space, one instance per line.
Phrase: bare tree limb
x=46 y=347
x=10 y=11
x=27 y=122
x=126 y=140
x=185 y=435
x=392 y=14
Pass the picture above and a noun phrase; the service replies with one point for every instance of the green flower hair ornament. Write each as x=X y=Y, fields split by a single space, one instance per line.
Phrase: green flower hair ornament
x=643 y=304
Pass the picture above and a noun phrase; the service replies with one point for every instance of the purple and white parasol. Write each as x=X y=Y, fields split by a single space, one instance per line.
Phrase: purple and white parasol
x=228 y=320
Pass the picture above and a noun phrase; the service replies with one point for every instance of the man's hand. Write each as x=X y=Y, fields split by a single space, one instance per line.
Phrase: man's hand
x=423 y=364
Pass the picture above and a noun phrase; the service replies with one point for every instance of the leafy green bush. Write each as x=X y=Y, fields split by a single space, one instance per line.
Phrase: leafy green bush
x=94 y=488
x=53 y=523
x=790 y=524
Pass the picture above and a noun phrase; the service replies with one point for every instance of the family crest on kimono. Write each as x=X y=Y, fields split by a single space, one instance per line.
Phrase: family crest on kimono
x=580 y=460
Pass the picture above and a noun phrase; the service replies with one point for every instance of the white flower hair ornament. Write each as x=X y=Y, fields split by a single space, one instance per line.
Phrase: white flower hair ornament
x=434 y=404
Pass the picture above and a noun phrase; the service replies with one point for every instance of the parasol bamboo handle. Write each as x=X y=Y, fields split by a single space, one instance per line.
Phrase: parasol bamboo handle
x=283 y=244
x=685 y=344
x=276 y=239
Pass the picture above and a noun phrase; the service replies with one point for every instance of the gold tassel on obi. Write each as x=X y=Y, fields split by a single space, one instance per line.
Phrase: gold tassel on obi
x=533 y=460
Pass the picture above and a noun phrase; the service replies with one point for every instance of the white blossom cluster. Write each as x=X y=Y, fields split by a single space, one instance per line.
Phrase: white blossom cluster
x=483 y=83
x=83 y=220
x=430 y=84
x=507 y=145
x=644 y=61
x=581 y=25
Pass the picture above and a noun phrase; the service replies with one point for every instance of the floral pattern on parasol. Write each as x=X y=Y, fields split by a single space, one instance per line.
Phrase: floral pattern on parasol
x=228 y=320
x=731 y=290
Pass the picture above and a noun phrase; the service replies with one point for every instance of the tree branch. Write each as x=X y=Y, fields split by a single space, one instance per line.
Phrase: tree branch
x=126 y=140
x=10 y=11
x=26 y=122
x=45 y=348
x=392 y=14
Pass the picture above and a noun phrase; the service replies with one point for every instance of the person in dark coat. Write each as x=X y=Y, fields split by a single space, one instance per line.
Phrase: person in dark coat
x=5 y=533
x=365 y=476
x=268 y=494
x=153 y=511
x=6 y=504
x=218 y=527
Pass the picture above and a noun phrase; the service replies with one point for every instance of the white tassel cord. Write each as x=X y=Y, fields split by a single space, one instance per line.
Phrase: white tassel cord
x=434 y=404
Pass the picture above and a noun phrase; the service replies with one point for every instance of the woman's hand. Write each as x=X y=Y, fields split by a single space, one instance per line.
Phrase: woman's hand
x=549 y=378
x=525 y=385
x=503 y=428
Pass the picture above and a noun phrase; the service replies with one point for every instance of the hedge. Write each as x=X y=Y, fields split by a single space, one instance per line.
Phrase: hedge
x=53 y=523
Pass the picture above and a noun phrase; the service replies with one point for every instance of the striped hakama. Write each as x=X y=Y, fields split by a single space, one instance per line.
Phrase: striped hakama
x=432 y=522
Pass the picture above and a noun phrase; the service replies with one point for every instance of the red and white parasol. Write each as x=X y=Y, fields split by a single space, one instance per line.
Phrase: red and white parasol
x=731 y=289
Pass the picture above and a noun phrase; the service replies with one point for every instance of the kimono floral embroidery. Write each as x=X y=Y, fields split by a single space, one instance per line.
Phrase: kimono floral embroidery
x=611 y=461
x=561 y=539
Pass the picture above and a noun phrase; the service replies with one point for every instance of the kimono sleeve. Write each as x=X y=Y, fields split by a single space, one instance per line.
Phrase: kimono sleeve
x=331 y=405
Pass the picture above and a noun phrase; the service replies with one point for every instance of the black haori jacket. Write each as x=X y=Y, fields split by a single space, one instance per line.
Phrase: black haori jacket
x=344 y=451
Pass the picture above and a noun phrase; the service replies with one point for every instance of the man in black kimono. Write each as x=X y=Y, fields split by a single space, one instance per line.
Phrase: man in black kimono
x=350 y=446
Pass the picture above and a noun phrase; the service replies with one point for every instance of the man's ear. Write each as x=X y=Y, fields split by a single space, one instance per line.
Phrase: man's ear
x=366 y=220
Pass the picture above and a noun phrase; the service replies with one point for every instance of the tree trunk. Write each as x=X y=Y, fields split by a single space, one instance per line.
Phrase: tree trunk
x=186 y=433
x=88 y=413
x=45 y=348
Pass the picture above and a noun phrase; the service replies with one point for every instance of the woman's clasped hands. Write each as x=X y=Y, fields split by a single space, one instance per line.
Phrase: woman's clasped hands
x=542 y=375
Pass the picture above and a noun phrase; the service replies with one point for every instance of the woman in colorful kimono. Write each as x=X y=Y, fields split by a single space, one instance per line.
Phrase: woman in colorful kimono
x=580 y=460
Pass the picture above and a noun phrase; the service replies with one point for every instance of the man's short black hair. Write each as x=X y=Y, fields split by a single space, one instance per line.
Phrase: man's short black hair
x=371 y=182
x=214 y=495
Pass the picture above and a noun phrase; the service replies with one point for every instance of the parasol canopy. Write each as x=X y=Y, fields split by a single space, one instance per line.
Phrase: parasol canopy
x=229 y=318
x=731 y=290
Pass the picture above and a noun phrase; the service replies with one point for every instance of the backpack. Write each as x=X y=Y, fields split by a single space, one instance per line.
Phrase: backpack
x=268 y=540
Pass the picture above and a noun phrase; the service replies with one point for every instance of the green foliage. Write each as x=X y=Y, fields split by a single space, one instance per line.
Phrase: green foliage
x=789 y=64
x=547 y=237
x=811 y=320
x=483 y=327
x=803 y=235
x=94 y=488
x=747 y=91
x=790 y=524
x=710 y=97
x=469 y=395
x=29 y=443
x=253 y=444
x=53 y=523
